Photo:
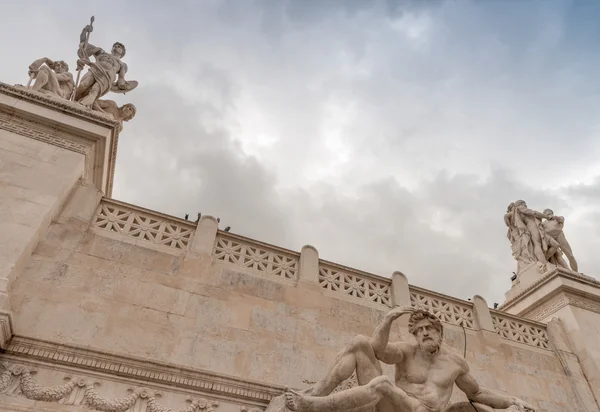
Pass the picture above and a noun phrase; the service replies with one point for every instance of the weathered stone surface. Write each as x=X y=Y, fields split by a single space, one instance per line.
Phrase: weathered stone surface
x=100 y=279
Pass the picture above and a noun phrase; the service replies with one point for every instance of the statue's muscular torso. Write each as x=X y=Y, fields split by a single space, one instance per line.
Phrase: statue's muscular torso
x=429 y=380
x=109 y=62
x=553 y=227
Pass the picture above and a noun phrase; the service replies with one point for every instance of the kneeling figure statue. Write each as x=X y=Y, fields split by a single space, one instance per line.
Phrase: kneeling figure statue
x=424 y=378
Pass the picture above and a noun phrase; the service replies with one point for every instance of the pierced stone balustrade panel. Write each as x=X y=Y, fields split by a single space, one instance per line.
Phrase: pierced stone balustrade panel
x=144 y=225
x=355 y=283
x=520 y=330
x=449 y=310
x=257 y=256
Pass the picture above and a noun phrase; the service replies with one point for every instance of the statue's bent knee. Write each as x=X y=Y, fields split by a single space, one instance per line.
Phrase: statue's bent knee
x=361 y=342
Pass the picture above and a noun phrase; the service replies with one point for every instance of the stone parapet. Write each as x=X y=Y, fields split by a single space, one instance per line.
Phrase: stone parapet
x=143 y=227
x=168 y=234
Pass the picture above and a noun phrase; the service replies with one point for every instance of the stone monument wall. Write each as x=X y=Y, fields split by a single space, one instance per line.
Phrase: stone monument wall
x=35 y=180
x=111 y=307
x=140 y=284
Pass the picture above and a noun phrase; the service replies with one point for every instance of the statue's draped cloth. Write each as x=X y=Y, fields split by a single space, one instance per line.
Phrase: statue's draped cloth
x=103 y=77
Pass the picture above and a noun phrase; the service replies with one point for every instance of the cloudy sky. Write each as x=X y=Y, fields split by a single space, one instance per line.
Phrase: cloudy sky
x=389 y=134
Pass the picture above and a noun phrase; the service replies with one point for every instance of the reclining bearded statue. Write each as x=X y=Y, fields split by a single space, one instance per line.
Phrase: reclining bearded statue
x=425 y=375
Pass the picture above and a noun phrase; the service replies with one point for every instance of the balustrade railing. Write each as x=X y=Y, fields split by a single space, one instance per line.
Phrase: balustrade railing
x=354 y=283
x=257 y=256
x=248 y=254
x=520 y=330
x=447 y=309
x=142 y=224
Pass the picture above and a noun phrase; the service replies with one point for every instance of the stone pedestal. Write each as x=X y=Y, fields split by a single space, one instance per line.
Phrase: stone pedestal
x=49 y=147
x=573 y=298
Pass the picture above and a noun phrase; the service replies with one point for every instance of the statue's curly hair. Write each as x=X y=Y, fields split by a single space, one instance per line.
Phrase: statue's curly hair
x=122 y=46
x=60 y=62
x=420 y=315
x=133 y=109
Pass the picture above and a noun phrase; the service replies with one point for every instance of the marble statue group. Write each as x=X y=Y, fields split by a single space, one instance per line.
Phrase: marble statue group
x=425 y=374
x=537 y=237
x=105 y=74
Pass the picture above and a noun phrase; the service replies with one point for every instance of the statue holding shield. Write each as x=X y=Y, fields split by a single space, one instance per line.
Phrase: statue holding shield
x=106 y=74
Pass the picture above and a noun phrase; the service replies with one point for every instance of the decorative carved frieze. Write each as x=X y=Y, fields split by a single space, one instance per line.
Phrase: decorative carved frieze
x=356 y=284
x=454 y=312
x=559 y=301
x=34 y=130
x=256 y=256
x=37 y=131
x=128 y=221
x=17 y=380
x=547 y=308
x=98 y=362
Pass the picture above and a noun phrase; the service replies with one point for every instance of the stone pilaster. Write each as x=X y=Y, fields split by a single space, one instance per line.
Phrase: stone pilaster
x=204 y=238
x=309 y=264
x=47 y=147
x=573 y=298
x=400 y=291
x=482 y=314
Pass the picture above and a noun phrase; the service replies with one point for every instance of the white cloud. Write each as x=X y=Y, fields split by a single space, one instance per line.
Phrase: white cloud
x=389 y=134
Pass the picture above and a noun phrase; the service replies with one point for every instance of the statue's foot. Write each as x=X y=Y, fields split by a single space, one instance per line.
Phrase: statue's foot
x=295 y=401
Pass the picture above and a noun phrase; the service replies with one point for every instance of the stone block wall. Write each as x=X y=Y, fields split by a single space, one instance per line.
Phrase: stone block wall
x=35 y=179
x=112 y=307
x=136 y=283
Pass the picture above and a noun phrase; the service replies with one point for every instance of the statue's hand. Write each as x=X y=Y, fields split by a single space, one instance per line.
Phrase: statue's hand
x=523 y=406
x=122 y=84
x=399 y=311
x=82 y=62
x=88 y=28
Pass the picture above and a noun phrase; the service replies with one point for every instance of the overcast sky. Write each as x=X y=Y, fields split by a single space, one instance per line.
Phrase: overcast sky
x=391 y=135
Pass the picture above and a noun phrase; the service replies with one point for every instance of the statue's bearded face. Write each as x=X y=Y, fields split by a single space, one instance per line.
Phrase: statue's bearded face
x=428 y=337
x=61 y=67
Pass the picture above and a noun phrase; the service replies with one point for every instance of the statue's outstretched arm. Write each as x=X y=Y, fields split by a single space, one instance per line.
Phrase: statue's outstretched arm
x=121 y=76
x=531 y=212
x=389 y=354
x=467 y=383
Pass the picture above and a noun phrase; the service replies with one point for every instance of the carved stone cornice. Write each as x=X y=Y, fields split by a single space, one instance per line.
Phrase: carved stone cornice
x=556 y=272
x=558 y=299
x=217 y=385
x=58 y=104
x=64 y=124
